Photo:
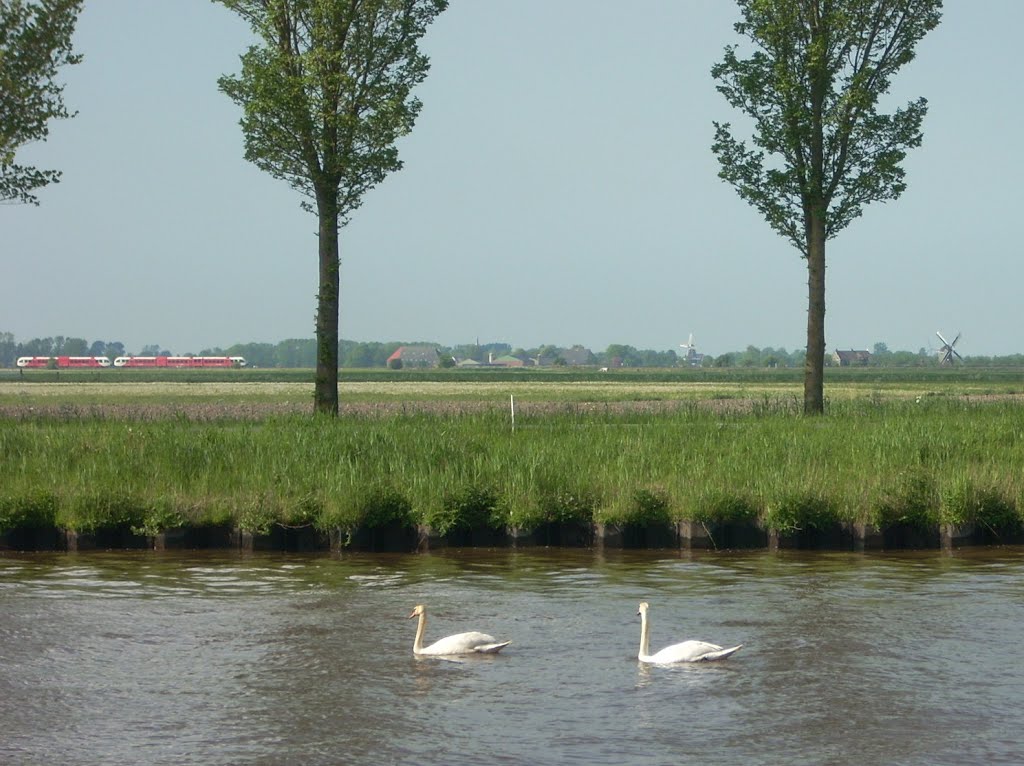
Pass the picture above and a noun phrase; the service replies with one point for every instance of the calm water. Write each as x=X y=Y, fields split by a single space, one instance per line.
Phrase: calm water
x=223 y=659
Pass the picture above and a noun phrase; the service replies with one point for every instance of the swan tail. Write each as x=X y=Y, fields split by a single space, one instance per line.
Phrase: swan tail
x=491 y=648
x=721 y=654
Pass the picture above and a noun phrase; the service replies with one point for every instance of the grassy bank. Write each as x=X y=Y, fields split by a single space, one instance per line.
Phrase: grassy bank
x=889 y=462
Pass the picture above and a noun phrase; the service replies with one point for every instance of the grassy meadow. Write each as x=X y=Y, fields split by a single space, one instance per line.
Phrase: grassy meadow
x=441 y=450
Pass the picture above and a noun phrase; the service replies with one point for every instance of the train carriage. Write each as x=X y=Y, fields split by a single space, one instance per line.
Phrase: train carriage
x=63 y=362
x=180 y=361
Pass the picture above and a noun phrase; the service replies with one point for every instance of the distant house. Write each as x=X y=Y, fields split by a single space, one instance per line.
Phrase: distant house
x=467 y=362
x=851 y=358
x=577 y=356
x=415 y=356
x=693 y=358
x=505 y=360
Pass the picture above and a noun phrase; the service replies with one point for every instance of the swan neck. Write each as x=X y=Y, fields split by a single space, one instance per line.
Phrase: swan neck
x=645 y=635
x=421 y=626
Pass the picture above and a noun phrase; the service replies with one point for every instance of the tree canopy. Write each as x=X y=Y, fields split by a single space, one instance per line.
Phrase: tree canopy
x=35 y=42
x=821 y=148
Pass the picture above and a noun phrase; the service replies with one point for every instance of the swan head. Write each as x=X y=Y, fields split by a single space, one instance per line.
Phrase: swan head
x=642 y=609
x=417 y=611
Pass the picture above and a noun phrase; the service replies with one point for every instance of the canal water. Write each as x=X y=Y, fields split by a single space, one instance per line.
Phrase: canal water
x=186 y=658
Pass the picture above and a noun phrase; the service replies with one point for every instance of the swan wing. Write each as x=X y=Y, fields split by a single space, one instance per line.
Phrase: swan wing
x=721 y=654
x=465 y=643
x=491 y=648
x=691 y=651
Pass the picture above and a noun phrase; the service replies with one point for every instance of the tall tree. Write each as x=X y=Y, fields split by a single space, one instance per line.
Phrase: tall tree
x=35 y=41
x=8 y=349
x=325 y=96
x=821 y=148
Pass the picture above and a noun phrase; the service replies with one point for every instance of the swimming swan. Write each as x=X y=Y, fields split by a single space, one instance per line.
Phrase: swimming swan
x=687 y=651
x=460 y=643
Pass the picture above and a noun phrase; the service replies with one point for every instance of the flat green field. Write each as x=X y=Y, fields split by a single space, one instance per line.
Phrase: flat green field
x=292 y=389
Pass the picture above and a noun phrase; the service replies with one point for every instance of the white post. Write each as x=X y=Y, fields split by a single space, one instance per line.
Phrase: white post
x=512 y=404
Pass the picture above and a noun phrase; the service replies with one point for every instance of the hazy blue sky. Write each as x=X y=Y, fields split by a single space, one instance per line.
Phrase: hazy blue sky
x=558 y=188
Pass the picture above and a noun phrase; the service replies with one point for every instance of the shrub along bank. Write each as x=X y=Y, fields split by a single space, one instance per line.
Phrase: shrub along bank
x=916 y=464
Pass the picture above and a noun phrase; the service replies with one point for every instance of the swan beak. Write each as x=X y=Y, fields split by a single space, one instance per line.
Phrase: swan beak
x=413 y=614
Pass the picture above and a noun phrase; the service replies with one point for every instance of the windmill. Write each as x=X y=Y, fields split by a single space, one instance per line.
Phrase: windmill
x=947 y=353
x=691 y=356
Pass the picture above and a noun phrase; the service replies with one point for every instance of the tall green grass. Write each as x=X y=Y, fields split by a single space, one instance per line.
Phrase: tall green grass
x=882 y=463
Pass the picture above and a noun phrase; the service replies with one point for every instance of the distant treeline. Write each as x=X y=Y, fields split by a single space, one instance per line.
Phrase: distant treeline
x=301 y=352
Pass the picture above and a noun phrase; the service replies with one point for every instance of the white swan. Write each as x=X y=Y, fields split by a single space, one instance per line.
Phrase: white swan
x=461 y=643
x=687 y=651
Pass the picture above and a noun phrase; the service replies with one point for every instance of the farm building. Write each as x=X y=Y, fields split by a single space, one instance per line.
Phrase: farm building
x=851 y=358
x=577 y=356
x=414 y=356
x=505 y=360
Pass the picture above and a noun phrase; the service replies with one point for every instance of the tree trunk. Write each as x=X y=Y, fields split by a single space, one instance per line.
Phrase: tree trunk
x=325 y=395
x=814 y=364
x=815 y=207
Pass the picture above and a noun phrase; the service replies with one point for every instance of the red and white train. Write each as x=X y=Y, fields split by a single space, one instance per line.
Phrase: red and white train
x=71 y=362
x=179 y=361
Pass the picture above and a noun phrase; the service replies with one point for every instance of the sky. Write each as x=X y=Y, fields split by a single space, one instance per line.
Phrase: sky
x=558 y=187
